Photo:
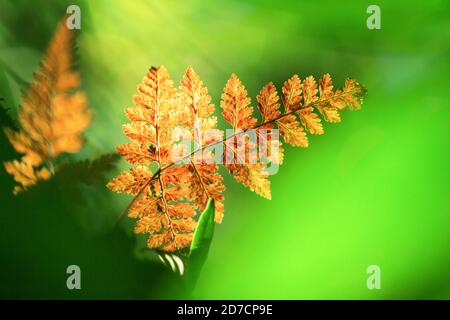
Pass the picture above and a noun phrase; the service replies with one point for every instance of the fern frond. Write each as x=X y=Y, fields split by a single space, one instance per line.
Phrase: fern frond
x=238 y=112
x=153 y=119
x=165 y=202
x=52 y=116
x=207 y=182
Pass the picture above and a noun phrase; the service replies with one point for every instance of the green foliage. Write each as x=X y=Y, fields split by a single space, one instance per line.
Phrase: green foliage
x=194 y=260
x=63 y=221
x=204 y=232
x=200 y=244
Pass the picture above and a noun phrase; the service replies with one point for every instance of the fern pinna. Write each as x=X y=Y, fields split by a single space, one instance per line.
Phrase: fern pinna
x=170 y=184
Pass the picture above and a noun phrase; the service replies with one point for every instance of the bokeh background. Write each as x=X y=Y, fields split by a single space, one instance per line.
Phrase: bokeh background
x=373 y=190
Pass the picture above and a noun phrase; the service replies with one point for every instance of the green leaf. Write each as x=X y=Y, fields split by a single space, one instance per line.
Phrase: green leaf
x=204 y=231
x=200 y=244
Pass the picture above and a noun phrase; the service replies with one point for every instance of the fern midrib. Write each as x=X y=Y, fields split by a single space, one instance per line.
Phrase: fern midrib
x=156 y=120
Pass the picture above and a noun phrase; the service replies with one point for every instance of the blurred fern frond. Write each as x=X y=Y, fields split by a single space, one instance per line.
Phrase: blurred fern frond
x=52 y=115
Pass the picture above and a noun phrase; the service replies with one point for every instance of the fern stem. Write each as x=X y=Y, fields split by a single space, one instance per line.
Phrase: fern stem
x=166 y=214
x=137 y=195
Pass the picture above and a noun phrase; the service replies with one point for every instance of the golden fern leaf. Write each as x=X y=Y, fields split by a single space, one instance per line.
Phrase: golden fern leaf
x=268 y=142
x=166 y=201
x=290 y=128
x=328 y=111
x=153 y=118
x=268 y=103
x=52 y=116
x=292 y=93
x=309 y=119
x=237 y=112
x=208 y=183
x=236 y=105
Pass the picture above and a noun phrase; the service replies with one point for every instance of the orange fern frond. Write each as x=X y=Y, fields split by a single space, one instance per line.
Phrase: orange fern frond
x=207 y=182
x=52 y=116
x=153 y=119
x=238 y=112
x=166 y=201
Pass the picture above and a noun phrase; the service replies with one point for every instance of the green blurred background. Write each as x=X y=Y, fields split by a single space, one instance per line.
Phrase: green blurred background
x=373 y=190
